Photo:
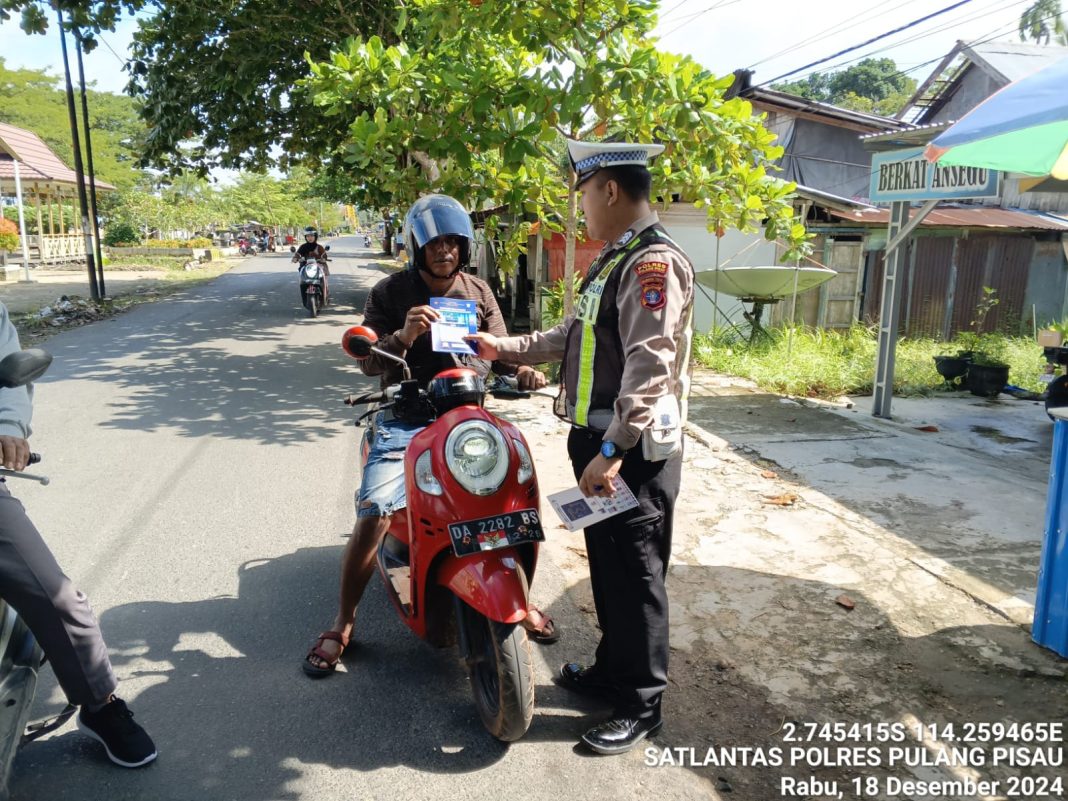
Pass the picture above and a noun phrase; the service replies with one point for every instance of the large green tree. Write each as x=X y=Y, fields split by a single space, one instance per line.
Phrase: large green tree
x=874 y=84
x=32 y=99
x=222 y=74
x=475 y=99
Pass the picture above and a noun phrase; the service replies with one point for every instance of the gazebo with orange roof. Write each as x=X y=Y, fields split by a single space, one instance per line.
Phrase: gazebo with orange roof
x=29 y=167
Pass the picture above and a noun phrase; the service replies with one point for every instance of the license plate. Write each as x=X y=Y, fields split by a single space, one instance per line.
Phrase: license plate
x=499 y=531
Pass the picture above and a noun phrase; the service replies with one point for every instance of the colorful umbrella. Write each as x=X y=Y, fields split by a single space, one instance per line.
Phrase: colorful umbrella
x=1022 y=128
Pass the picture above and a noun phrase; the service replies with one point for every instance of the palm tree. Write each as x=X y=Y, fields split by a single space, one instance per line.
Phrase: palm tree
x=1042 y=21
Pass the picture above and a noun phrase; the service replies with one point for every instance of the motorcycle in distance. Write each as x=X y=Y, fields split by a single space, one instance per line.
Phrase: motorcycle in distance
x=247 y=247
x=367 y=241
x=20 y=655
x=458 y=561
x=312 y=283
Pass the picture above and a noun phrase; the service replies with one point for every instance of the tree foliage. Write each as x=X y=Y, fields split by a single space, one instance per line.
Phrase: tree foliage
x=32 y=99
x=1042 y=23
x=874 y=85
x=476 y=97
x=188 y=203
x=224 y=76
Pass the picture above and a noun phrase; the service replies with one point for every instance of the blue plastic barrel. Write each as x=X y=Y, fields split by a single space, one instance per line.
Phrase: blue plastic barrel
x=1050 y=628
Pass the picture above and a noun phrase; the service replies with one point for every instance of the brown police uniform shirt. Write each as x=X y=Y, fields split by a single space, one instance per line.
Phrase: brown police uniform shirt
x=655 y=302
x=385 y=312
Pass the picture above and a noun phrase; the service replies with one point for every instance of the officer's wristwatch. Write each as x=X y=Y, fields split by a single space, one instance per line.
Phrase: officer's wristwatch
x=609 y=450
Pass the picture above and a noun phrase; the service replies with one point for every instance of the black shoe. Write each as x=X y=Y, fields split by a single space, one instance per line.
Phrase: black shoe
x=621 y=734
x=125 y=741
x=583 y=680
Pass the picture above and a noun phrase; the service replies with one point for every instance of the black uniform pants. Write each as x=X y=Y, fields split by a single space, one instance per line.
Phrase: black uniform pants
x=629 y=556
x=58 y=615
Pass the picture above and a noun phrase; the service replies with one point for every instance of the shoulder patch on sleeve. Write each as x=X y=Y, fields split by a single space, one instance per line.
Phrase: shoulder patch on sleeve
x=647 y=268
x=652 y=275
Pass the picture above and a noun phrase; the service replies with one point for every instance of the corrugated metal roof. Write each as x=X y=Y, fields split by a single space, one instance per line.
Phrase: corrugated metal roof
x=968 y=217
x=1013 y=60
x=36 y=161
x=828 y=198
x=773 y=97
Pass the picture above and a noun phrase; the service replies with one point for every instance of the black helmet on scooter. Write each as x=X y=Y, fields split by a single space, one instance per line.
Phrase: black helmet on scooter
x=457 y=386
x=432 y=216
x=311 y=231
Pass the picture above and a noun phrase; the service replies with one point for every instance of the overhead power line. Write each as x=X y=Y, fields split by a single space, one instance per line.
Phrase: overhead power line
x=839 y=27
x=122 y=60
x=912 y=24
x=997 y=7
x=690 y=18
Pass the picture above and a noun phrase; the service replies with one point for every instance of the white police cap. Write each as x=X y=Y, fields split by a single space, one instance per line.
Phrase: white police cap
x=589 y=157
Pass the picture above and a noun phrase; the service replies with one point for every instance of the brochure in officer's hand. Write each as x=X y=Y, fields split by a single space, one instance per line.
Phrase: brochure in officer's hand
x=577 y=511
x=458 y=319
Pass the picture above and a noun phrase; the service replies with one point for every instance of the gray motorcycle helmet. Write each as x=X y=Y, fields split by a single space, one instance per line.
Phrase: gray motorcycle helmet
x=432 y=216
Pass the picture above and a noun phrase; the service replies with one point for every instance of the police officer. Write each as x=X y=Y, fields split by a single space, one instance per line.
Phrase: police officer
x=624 y=380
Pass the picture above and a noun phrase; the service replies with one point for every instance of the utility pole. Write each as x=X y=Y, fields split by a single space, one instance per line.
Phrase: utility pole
x=83 y=201
x=92 y=171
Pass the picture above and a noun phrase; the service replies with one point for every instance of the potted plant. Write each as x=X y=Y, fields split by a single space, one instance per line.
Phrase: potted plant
x=956 y=369
x=988 y=372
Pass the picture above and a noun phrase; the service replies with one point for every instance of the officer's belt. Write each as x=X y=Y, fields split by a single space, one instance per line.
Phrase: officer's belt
x=597 y=419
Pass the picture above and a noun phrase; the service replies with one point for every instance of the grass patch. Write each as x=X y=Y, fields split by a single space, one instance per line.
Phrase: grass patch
x=822 y=363
x=131 y=262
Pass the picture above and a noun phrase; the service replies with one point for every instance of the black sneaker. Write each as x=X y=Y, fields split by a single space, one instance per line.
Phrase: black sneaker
x=125 y=741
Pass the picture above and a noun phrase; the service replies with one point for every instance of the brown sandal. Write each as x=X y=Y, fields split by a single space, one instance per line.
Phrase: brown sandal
x=331 y=659
x=544 y=634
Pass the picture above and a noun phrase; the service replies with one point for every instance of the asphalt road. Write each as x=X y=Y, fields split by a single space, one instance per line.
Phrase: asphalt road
x=202 y=473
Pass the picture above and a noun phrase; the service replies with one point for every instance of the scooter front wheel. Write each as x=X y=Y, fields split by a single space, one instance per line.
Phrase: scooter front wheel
x=501 y=669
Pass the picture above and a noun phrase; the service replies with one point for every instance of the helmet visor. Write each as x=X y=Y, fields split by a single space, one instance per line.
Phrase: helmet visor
x=439 y=220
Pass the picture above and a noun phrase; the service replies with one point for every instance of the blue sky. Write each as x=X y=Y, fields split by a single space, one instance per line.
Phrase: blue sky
x=723 y=35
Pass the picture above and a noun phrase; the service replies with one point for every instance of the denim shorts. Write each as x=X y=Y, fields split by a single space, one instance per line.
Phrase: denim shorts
x=381 y=490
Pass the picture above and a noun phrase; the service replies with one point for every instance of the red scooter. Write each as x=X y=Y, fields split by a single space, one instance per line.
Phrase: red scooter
x=458 y=563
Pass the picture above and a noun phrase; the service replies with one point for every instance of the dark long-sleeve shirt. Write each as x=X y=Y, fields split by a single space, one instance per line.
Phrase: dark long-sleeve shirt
x=385 y=312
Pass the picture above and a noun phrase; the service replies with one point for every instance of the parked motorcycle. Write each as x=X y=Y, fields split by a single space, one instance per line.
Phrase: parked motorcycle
x=312 y=282
x=458 y=562
x=247 y=247
x=20 y=655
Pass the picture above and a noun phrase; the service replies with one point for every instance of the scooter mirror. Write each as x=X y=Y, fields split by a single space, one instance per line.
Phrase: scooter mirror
x=358 y=341
x=23 y=366
x=292 y=249
x=326 y=248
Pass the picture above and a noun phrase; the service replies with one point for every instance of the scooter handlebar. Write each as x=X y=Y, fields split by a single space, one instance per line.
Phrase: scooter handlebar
x=370 y=397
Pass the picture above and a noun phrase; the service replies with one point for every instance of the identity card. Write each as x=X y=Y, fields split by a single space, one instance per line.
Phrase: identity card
x=459 y=318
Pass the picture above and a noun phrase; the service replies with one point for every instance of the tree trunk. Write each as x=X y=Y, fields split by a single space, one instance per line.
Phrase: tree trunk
x=569 y=248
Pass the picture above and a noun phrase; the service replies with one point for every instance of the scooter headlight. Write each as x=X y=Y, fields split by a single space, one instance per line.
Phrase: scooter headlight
x=526 y=464
x=424 y=475
x=312 y=270
x=477 y=457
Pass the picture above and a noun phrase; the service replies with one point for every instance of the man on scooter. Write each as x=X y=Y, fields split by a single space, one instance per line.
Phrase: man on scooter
x=59 y=615
x=439 y=236
x=312 y=249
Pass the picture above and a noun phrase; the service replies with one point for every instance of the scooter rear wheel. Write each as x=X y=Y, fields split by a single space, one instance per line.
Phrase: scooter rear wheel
x=501 y=670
